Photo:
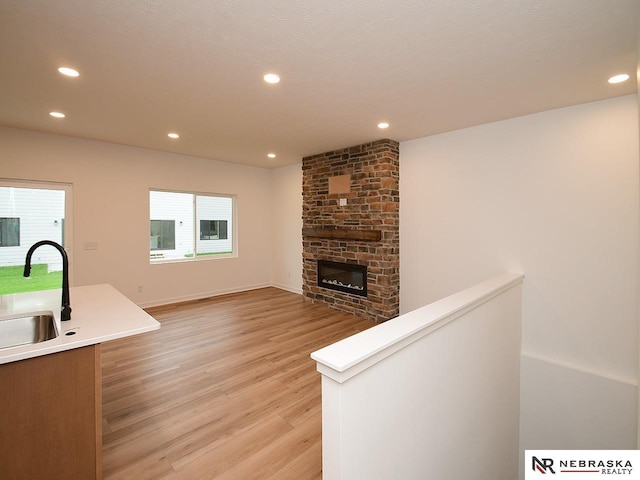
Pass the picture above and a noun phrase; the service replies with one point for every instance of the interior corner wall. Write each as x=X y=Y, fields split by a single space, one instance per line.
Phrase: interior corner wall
x=287 y=228
x=111 y=207
x=553 y=195
x=638 y=96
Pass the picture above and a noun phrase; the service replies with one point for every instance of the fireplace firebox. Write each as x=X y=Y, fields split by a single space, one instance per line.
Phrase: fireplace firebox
x=343 y=277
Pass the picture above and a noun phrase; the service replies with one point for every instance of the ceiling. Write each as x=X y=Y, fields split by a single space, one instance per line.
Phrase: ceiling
x=149 y=67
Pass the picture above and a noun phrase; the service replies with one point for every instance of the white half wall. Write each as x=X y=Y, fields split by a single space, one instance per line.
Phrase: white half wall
x=287 y=228
x=431 y=394
x=111 y=207
x=553 y=195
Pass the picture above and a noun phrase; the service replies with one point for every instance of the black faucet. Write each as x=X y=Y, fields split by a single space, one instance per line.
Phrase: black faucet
x=66 y=305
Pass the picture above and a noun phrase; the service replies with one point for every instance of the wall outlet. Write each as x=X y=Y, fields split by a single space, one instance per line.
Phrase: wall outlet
x=140 y=288
x=343 y=202
x=91 y=245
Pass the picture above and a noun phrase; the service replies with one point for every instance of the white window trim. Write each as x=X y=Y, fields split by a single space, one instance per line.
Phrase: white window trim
x=202 y=258
x=68 y=210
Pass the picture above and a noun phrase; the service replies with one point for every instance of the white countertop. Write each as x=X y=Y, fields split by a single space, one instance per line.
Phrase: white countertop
x=99 y=313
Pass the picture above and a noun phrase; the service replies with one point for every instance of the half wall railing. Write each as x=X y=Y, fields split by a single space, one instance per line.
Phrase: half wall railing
x=432 y=394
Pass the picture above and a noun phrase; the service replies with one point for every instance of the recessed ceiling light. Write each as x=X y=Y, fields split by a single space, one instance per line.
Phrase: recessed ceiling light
x=383 y=125
x=69 y=72
x=57 y=114
x=271 y=78
x=271 y=155
x=173 y=135
x=623 y=77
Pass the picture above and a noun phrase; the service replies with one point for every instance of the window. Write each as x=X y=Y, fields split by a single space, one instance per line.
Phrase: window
x=213 y=229
x=163 y=235
x=30 y=212
x=187 y=226
x=9 y=232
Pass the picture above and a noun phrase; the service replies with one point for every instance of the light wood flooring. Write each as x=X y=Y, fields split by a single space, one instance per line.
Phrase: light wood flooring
x=224 y=390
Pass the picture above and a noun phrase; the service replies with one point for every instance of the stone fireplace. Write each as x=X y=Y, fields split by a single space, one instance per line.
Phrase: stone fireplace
x=351 y=212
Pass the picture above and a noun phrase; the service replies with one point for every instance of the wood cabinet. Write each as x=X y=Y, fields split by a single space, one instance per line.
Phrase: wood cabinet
x=51 y=416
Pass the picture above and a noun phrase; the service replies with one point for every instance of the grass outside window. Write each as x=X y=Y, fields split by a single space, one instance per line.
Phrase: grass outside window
x=13 y=281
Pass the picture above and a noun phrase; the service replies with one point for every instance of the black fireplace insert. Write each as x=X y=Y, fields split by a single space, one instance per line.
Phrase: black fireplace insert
x=343 y=277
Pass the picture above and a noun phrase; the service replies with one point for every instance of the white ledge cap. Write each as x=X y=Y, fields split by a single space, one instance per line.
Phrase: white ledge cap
x=344 y=359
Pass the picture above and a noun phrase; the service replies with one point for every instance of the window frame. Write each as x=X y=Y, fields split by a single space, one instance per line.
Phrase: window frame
x=217 y=229
x=164 y=224
x=155 y=259
x=67 y=224
x=3 y=229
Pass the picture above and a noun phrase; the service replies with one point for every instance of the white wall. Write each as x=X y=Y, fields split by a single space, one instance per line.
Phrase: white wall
x=638 y=96
x=287 y=228
x=111 y=206
x=553 y=195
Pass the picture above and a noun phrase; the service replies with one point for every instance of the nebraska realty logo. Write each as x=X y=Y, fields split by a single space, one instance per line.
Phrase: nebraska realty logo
x=582 y=464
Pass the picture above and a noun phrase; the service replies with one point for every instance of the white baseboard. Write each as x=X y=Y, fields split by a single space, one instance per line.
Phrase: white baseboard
x=287 y=288
x=215 y=293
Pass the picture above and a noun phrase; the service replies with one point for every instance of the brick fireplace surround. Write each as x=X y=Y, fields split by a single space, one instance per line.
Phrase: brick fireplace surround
x=367 y=177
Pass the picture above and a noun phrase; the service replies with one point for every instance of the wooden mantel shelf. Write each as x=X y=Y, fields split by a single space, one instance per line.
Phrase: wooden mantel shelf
x=343 y=234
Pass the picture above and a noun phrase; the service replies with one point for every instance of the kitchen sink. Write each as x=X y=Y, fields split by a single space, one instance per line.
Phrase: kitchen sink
x=25 y=329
